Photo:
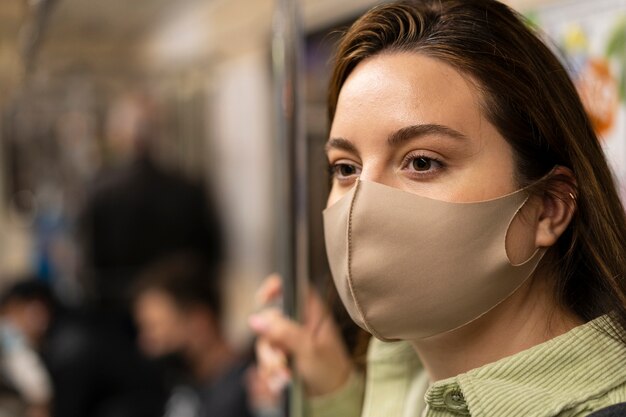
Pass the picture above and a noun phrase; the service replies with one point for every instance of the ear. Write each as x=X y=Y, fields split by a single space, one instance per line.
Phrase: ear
x=558 y=205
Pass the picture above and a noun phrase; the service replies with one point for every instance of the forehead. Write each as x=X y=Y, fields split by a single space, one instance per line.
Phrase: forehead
x=400 y=88
x=156 y=302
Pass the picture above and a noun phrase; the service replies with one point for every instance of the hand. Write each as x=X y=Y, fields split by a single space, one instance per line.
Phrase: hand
x=263 y=400
x=315 y=346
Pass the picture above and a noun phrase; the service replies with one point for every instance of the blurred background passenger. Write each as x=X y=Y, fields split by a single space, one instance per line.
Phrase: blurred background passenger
x=26 y=310
x=178 y=311
x=135 y=213
x=97 y=371
x=138 y=211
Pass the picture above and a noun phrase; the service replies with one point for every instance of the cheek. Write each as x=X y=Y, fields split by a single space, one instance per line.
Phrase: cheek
x=159 y=330
x=335 y=195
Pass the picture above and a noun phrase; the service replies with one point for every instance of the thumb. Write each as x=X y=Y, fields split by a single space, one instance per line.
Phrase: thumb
x=271 y=290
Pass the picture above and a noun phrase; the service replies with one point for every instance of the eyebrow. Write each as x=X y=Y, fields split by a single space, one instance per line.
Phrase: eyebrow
x=399 y=136
x=415 y=131
x=340 y=143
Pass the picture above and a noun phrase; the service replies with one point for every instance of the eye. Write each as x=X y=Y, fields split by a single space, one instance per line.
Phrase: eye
x=346 y=170
x=343 y=171
x=421 y=163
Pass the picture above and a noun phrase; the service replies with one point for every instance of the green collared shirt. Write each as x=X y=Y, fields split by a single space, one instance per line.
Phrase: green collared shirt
x=571 y=375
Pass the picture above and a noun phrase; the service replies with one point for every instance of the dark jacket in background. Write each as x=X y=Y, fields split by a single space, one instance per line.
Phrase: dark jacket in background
x=137 y=214
x=133 y=216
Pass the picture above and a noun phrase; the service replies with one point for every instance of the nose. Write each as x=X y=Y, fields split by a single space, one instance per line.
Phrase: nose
x=376 y=172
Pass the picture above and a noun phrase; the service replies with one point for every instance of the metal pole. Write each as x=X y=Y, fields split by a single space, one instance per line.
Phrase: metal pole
x=287 y=47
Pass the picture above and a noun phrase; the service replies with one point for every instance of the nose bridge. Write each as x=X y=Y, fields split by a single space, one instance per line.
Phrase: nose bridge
x=375 y=170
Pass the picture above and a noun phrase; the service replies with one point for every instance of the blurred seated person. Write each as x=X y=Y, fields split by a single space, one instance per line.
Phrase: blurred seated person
x=26 y=310
x=177 y=309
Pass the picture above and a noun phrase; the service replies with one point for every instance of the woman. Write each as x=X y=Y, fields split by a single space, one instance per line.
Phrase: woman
x=472 y=216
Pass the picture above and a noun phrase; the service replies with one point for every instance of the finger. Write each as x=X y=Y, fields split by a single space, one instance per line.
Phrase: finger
x=315 y=306
x=259 y=390
x=270 y=290
x=278 y=330
x=270 y=358
x=272 y=366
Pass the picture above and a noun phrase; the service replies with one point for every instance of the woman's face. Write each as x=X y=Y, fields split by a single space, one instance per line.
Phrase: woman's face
x=414 y=123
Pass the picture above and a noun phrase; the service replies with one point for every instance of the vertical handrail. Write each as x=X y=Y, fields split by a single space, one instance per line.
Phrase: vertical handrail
x=287 y=60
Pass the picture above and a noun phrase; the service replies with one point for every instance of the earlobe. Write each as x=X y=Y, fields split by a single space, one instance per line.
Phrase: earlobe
x=558 y=207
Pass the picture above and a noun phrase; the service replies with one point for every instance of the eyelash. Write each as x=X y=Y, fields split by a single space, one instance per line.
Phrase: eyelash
x=408 y=160
x=333 y=169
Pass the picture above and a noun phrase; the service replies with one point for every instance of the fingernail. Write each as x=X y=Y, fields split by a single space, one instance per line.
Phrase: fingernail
x=258 y=323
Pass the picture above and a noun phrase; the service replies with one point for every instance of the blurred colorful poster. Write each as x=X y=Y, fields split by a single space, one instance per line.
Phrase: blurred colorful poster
x=591 y=36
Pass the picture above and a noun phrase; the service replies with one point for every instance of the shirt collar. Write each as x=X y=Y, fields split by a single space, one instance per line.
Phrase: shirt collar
x=541 y=381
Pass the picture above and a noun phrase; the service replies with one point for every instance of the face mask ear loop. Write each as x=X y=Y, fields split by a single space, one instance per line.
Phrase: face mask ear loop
x=506 y=235
x=350 y=281
x=539 y=250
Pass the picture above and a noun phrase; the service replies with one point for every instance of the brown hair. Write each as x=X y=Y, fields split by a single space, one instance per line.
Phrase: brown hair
x=529 y=98
x=185 y=277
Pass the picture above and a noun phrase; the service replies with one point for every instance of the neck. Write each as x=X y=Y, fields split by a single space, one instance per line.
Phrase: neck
x=527 y=318
x=209 y=360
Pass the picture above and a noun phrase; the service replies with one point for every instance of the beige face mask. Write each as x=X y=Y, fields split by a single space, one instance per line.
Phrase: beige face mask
x=410 y=267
